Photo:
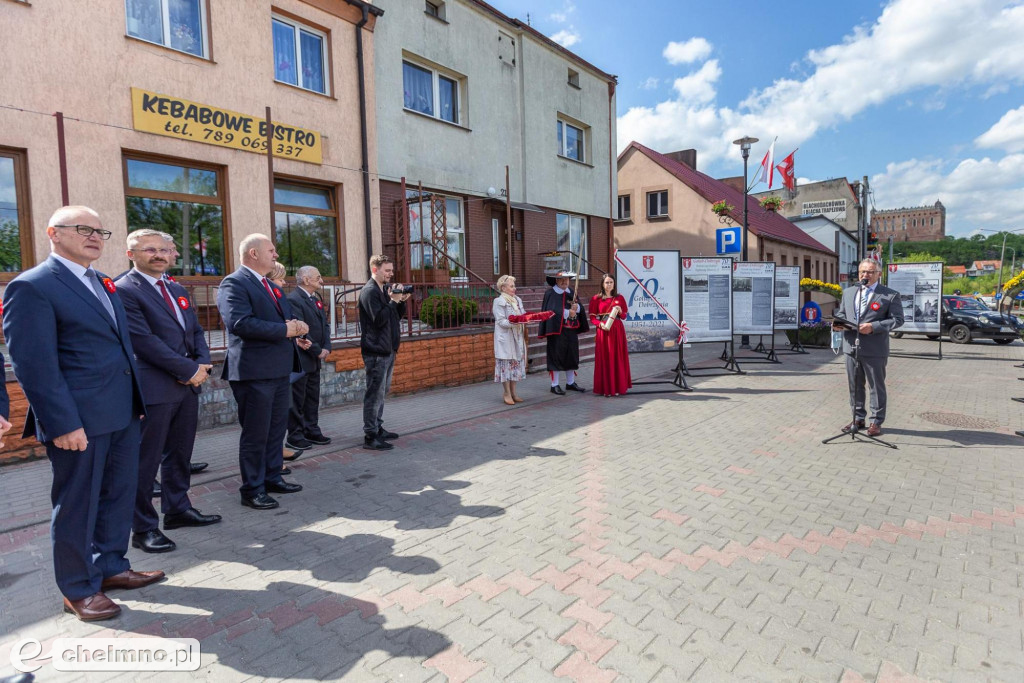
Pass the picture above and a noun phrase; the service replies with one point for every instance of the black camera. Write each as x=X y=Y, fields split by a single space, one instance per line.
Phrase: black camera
x=400 y=289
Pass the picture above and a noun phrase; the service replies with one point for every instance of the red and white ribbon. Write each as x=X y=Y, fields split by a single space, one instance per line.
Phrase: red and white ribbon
x=683 y=329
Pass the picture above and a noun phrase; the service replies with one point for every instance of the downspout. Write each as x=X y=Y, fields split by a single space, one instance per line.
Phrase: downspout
x=613 y=167
x=363 y=132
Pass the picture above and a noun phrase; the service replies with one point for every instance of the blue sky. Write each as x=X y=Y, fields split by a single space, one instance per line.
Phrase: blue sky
x=925 y=97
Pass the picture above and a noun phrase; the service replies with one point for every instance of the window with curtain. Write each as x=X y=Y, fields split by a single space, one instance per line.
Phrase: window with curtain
x=569 y=230
x=15 y=226
x=419 y=232
x=300 y=55
x=306 y=227
x=184 y=200
x=657 y=204
x=177 y=24
x=570 y=141
x=432 y=93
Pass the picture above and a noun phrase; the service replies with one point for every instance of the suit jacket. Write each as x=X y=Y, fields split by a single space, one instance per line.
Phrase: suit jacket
x=258 y=343
x=166 y=353
x=319 y=328
x=5 y=401
x=884 y=312
x=76 y=367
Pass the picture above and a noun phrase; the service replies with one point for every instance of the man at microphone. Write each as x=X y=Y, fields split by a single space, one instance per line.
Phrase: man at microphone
x=876 y=311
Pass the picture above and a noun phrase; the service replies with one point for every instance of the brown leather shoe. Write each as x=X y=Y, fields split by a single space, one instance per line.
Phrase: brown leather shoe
x=849 y=427
x=96 y=607
x=131 y=579
x=875 y=429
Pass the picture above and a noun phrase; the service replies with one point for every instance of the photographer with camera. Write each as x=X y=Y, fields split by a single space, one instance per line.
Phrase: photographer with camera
x=381 y=307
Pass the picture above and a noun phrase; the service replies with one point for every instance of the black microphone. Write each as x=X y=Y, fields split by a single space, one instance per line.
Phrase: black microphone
x=863 y=282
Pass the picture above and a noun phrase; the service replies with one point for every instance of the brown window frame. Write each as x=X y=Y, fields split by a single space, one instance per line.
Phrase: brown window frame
x=222 y=199
x=338 y=214
x=22 y=198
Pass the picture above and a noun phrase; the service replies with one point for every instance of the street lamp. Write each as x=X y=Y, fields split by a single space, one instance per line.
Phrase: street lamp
x=745 y=143
x=1002 y=257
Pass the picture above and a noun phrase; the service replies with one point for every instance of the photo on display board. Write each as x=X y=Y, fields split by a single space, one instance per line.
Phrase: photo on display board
x=696 y=284
x=785 y=316
x=926 y=309
x=909 y=311
x=781 y=289
x=926 y=286
x=742 y=284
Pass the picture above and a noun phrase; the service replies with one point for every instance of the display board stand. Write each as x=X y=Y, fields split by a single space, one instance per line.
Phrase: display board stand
x=772 y=357
x=928 y=274
x=728 y=356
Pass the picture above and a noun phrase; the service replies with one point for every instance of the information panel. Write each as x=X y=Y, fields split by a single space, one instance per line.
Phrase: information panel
x=920 y=288
x=753 y=297
x=646 y=279
x=707 y=298
x=787 y=297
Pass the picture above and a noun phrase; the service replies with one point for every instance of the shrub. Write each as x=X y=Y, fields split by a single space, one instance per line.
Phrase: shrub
x=445 y=310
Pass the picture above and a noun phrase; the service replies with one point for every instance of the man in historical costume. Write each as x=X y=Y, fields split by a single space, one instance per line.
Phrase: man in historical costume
x=561 y=332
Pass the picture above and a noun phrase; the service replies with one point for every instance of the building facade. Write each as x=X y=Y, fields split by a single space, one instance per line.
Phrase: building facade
x=914 y=224
x=835 y=199
x=828 y=232
x=464 y=92
x=163 y=123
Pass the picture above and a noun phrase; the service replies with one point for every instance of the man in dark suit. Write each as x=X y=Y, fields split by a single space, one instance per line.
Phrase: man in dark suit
x=877 y=311
x=69 y=343
x=260 y=357
x=174 y=361
x=5 y=405
x=304 y=419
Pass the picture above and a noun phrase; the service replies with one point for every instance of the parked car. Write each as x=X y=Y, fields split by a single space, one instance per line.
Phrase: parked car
x=964 y=318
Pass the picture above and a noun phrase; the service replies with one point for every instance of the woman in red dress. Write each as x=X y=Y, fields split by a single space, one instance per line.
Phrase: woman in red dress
x=611 y=366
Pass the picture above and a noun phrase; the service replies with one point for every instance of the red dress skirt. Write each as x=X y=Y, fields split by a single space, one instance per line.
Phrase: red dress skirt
x=611 y=364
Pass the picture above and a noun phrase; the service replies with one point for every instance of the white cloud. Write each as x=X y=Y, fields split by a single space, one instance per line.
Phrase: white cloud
x=566 y=37
x=699 y=87
x=977 y=193
x=650 y=84
x=913 y=45
x=561 y=16
x=1006 y=134
x=693 y=50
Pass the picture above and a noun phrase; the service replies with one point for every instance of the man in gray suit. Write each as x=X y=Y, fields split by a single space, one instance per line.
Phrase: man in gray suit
x=877 y=311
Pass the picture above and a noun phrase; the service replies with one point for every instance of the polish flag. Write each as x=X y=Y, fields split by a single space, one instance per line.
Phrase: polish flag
x=766 y=172
x=788 y=173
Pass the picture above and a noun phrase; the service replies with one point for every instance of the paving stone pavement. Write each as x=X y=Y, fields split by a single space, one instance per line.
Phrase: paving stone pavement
x=705 y=536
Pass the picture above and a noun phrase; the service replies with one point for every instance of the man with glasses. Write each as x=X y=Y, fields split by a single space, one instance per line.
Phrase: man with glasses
x=877 y=311
x=304 y=419
x=174 y=361
x=70 y=347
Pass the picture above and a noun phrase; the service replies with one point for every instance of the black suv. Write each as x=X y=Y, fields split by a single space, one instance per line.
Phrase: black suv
x=965 y=318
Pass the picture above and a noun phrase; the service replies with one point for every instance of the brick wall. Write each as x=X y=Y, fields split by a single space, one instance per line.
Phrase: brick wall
x=452 y=360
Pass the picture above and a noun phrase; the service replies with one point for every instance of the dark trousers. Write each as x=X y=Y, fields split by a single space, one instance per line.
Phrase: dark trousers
x=92 y=496
x=168 y=434
x=379 y=370
x=263 y=414
x=304 y=416
x=872 y=370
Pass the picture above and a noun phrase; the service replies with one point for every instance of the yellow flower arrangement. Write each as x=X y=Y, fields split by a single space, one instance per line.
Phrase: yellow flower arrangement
x=810 y=285
x=1016 y=282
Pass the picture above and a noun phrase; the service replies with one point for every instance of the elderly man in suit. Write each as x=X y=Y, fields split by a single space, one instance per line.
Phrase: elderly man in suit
x=174 y=361
x=261 y=355
x=304 y=419
x=877 y=311
x=69 y=343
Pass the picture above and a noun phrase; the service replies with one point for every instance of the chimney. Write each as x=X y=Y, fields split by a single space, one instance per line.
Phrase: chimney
x=687 y=157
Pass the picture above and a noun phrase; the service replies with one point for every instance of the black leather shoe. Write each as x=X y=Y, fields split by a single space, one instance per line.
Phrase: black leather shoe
x=282 y=487
x=260 y=501
x=558 y=390
x=375 y=443
x=157 y=491
x=297 y=442
x=384 y=434
x=286 y=470
x=197 y=467
x=575 y=387
x=190 y=517
x=318 y=439
x=152 y=541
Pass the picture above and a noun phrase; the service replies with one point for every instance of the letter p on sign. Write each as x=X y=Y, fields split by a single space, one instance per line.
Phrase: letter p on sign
x=728 y=240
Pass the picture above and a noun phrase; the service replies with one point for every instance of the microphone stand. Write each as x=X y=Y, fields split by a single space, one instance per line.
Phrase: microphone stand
x=854 y=432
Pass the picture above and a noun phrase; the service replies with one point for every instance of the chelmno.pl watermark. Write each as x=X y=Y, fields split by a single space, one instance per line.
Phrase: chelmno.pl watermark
x=108 y=654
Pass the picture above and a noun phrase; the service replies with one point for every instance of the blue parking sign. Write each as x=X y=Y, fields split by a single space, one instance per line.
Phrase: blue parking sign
x=729 y=240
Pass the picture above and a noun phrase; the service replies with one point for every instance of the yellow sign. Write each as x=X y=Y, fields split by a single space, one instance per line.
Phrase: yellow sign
x=185 y=120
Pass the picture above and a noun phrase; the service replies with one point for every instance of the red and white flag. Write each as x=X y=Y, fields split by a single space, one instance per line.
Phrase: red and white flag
x=788 y=174
x=766 y=172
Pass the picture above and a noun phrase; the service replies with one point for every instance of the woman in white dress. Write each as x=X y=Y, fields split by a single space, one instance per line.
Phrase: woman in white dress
x=509 y=340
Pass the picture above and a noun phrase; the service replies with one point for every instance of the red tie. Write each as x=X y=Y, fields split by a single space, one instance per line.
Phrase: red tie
x=272 y=297
x=167 y=298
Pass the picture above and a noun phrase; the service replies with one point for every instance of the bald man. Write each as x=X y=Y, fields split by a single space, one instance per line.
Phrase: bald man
x=70 y=348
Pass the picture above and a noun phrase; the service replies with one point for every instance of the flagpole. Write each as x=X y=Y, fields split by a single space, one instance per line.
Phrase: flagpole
x=745 y=143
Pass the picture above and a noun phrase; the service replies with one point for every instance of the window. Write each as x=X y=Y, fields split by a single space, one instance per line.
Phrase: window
x=424 y=87
x=496 y=245
x=782 y=260
x=306 y=226
x=435 y=8
x=177 y=24
x=570 y=141
x=624 y=210
x=569 y=231
x=300 y=55
x=657 y=204
x=185 y=201
x=419 y=231
x=574 y=78
x=15 y=224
